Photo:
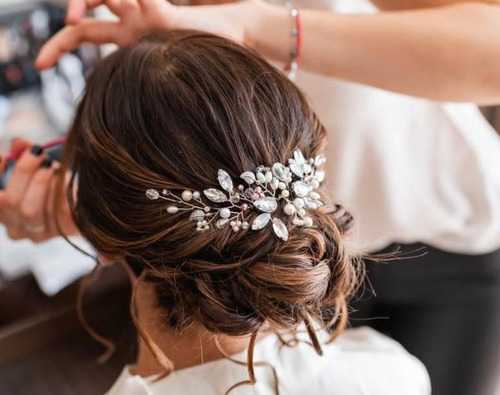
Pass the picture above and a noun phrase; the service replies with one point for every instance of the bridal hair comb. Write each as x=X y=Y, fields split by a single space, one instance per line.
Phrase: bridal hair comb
x=265 y=187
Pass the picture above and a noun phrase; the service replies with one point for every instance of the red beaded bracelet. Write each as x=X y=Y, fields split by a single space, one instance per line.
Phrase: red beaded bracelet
x=296 y=53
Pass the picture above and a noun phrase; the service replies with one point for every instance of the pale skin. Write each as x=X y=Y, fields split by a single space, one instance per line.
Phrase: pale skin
x=437 y=49
x=442 y=49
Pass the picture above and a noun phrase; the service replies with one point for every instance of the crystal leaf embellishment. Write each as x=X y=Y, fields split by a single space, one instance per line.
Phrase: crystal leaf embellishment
x=296 y=168
x=279 y=171
x=266 y=204
x=197 y=215
x=215 y=195
x=261 y=221
x=280 y=229
x=301 y=189
x=225 y=181
x=152 y=194
x=221 y=222
x=319 y=160
x=320 y=176
x=248 y=177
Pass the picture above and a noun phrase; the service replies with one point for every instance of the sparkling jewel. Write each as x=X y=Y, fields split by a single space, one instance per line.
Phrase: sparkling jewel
x=261 y=221
x=164 y=192
x=225 y=212
x=172 y=209
x=300 y=188
x=285 y=193
x=320 y=176
x=187 y=196
x=280 y=171
x=280 y=229
x=244 y=225
x=197 y=215
x=314 y=195
x=308 y=222
x=221 y=222
x=266 y=204
x=289 y=209
x=225 y=180
x=152 y=194
x=274 y=183
x=215 y=195
x=298 y=203
x=261 y=177
x=248 y=177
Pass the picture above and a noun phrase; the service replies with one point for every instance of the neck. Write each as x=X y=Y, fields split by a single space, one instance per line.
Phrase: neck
x=190 y=347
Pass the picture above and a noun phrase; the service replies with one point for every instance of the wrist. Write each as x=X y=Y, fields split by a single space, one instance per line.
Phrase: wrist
x=267 y=30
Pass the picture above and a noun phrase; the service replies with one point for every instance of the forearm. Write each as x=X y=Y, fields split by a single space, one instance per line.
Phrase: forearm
x=446 y=53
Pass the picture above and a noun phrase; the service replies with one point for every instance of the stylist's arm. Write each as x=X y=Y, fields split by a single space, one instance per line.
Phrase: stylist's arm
x=27 y=203
x=438 y=49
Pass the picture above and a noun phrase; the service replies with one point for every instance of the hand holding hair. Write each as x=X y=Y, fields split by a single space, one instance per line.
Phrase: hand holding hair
x=446 y=48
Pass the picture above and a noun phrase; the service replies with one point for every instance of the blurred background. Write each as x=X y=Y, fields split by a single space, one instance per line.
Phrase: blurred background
x=44 y=349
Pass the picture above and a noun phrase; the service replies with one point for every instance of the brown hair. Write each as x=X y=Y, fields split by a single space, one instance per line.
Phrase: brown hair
x=168 y=112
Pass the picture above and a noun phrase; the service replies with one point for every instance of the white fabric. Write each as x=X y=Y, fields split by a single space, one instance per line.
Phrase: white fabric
x=409 y=170
x=54 y=263
x=360 y=362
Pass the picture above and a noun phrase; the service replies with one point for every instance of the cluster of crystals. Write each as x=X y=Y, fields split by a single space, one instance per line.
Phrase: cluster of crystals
x=295 y=184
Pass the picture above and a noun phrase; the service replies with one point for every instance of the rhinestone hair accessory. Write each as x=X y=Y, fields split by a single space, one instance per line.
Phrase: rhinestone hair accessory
x=265 y=187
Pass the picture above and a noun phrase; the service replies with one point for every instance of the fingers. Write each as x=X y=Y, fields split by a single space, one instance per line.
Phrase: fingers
x=24 y=169
x=33 y=207
x=78 y=8
x=70 y=37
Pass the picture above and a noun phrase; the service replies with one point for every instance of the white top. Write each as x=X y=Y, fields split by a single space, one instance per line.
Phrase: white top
x=360 y=362
x=409 y=170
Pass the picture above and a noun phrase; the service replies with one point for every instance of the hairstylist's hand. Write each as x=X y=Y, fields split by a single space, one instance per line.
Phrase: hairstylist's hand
x=26 y=205
x=137 y=18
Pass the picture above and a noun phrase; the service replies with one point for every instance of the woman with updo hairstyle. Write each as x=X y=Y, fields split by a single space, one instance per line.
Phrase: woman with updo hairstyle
x=189 y=156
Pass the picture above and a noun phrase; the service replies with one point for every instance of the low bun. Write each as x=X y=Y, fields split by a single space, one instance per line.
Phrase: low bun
x=266 y=281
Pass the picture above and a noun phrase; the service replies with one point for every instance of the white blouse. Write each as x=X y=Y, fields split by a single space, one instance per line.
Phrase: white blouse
x=409 y=169
x=360 y=362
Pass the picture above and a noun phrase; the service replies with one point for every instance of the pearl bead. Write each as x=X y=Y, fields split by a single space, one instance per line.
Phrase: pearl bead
x=172 y=209
x=314 y=195
x=187 y=196
x=225 y=213
x=244 y=225
x=302 y=212
x=232 y=224
x=261 y=177
x=269 y=176
x=289 y=209
x=196 y=195
x=285 y=193
x=295 y=221
x=206 y=209
x=281 y=185
x=298 y=203
x=315 y=184
x=308 y=222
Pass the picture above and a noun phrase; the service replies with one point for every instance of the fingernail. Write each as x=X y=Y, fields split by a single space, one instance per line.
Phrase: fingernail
x=36 y=150
x=47 y=163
